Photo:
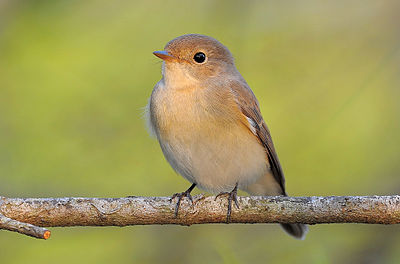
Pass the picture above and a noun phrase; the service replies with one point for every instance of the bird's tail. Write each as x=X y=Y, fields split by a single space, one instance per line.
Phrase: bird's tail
x=266 y=186
x=298 y=231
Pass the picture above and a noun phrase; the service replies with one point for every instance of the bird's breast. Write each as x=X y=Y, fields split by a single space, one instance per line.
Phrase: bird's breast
x=205 y=140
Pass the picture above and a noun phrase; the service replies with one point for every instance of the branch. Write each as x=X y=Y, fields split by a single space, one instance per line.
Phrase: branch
x=25 y=215
x=23 y=228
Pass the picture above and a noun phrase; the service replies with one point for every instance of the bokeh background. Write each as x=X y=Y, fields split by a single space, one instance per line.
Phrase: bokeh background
x=75 y=76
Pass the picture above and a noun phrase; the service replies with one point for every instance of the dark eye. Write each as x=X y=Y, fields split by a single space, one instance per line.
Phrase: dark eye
x=199 y=57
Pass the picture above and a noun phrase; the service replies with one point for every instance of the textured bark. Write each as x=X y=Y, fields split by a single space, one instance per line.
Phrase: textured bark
x=23 y=228
x=48 y=212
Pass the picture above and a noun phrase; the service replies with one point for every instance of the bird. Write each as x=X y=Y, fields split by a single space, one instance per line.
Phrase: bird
x=209 y=125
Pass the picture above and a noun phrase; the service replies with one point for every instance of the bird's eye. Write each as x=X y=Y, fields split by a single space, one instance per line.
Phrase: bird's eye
x=199 y=57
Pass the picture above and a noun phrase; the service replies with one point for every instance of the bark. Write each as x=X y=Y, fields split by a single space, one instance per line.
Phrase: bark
x=28 y=215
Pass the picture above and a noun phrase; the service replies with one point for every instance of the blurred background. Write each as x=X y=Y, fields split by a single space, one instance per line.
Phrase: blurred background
x=75 y=76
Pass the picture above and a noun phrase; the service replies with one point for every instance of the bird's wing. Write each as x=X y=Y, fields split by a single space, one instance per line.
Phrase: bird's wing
x=249 y=107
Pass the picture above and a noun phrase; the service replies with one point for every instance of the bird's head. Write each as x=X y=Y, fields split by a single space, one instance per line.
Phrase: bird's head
x=195 y=57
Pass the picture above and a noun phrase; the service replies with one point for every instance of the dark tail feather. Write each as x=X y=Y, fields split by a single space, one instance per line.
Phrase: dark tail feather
x=298 y=231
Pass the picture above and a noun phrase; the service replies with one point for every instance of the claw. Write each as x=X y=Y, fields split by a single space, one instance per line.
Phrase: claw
x=180 y=196
x=232 y=196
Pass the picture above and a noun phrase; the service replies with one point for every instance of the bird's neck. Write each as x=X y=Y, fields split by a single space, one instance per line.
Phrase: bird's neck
x=176 y=77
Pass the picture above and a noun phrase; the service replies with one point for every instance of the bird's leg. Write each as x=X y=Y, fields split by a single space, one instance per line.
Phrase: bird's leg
x=232 y=196
x=180 y=196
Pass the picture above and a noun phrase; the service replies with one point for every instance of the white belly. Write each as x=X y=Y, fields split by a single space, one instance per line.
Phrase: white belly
x=216 y=159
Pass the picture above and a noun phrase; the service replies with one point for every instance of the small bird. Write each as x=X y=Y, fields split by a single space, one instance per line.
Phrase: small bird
x=209 y=125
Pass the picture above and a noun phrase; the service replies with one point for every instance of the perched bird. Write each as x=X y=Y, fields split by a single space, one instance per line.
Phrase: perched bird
x=209 y=125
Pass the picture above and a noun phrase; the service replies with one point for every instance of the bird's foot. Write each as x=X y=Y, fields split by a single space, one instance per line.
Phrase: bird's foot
x=180 y=196
x=232 y=196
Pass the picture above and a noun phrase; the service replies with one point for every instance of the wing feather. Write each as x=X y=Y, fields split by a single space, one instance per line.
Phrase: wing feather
x=249 y=107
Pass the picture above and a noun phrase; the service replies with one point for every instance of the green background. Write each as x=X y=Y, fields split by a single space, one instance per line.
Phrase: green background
x=75 y=76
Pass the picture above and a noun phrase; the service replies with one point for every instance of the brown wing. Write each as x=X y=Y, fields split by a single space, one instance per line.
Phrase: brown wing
x=250 y=108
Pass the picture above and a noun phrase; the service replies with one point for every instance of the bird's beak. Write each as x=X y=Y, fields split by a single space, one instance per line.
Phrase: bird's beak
x=162 y=54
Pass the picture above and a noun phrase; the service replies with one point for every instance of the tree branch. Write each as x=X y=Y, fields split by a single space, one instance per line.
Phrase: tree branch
x=23 y=228
x=25 y=215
